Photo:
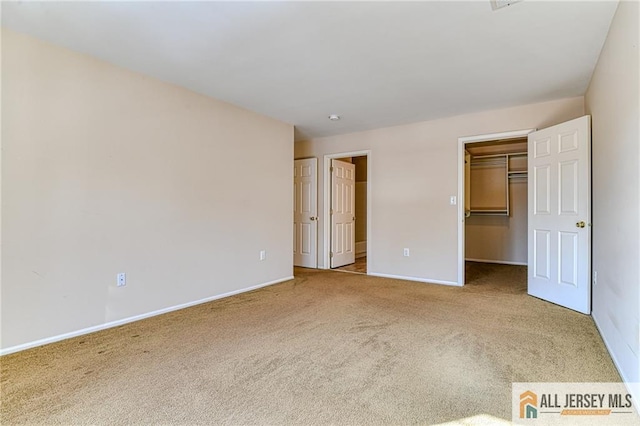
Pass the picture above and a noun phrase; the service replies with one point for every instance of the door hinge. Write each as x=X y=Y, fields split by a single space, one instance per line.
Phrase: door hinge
x=331 y=169
x=331 y=211
x=330 y=254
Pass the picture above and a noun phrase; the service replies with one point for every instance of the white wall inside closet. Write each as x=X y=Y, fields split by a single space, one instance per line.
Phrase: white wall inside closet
x=361 y=205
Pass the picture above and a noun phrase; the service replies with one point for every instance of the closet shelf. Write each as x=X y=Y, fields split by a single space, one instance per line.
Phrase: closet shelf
x=517 y=174
x=513 y=154
x=487 y=212
x=489 y=187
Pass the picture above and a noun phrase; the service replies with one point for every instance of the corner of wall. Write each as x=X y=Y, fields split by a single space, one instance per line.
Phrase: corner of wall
x=612 y=100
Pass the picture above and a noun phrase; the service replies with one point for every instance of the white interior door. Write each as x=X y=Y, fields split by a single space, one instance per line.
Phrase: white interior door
x=305 y=213
x=559 y=267
x=343 y=213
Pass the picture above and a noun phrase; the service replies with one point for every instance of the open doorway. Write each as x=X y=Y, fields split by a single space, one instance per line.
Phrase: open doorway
x=347 y=209
x=494 y=198
x=558 y=214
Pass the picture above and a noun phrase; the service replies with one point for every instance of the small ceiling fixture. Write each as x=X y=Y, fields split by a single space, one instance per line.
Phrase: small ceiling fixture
x=334 y=117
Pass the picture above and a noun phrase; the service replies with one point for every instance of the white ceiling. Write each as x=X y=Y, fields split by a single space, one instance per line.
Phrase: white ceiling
x=376 y=64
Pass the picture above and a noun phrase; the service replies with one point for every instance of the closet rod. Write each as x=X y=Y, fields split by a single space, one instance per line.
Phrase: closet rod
x=473 y=157
x=488 y=163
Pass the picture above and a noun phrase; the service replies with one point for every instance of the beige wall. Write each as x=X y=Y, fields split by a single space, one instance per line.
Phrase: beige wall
x=107 y=171
x=500 y=239
x=361 y=201
x=612 y=100
x=413 y=174
x=361 y=168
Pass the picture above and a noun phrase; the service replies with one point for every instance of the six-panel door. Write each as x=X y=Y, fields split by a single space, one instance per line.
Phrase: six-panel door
x=559 y=266
x=305 y=212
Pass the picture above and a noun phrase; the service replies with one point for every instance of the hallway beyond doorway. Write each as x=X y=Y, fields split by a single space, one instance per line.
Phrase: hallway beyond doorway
x=359 y=267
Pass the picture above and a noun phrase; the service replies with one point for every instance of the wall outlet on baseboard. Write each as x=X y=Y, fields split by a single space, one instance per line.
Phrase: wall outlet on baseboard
x=595 y=277
x=405 y=252
x=121 y=279
x=263 y=254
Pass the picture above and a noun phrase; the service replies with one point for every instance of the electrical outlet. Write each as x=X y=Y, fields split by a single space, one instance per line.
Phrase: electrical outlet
x=595 y=277
x=453 y=200
x=405 y=252
x=122 y=279
x=263 y=254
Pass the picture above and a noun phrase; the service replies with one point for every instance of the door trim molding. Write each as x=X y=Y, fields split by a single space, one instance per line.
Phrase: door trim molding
x=326 y=192
x=462 y=141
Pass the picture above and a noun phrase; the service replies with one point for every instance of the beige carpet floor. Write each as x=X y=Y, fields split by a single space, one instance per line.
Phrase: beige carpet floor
x=327 y=347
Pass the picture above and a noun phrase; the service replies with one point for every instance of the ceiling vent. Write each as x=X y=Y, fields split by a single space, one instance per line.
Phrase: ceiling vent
x=499 y=4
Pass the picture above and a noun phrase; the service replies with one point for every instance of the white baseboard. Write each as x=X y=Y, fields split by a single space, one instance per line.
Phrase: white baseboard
x=504 y=262
x=361 y=249
x=123 y=321
x=422 y=280
x=632 y=387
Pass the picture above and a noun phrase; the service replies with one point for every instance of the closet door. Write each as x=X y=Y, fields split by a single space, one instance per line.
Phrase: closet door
x=560 y=214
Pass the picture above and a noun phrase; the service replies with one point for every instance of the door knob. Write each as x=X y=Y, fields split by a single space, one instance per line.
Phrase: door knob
x=312 y=218
x=581 y=224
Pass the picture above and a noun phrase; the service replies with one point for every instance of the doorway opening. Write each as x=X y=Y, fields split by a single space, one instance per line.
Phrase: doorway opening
x=493 y=197
x=558 y=214
x=347 y=185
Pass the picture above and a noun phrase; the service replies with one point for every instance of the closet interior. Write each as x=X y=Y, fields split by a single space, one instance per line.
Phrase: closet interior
x=496 y=201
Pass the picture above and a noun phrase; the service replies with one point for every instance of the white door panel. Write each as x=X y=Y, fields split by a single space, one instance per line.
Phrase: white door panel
x=343 y=203
x=560 y=214
x=305 y=228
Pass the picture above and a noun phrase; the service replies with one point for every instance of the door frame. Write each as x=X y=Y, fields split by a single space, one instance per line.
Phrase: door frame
x=326 y=196
x=462 y=141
